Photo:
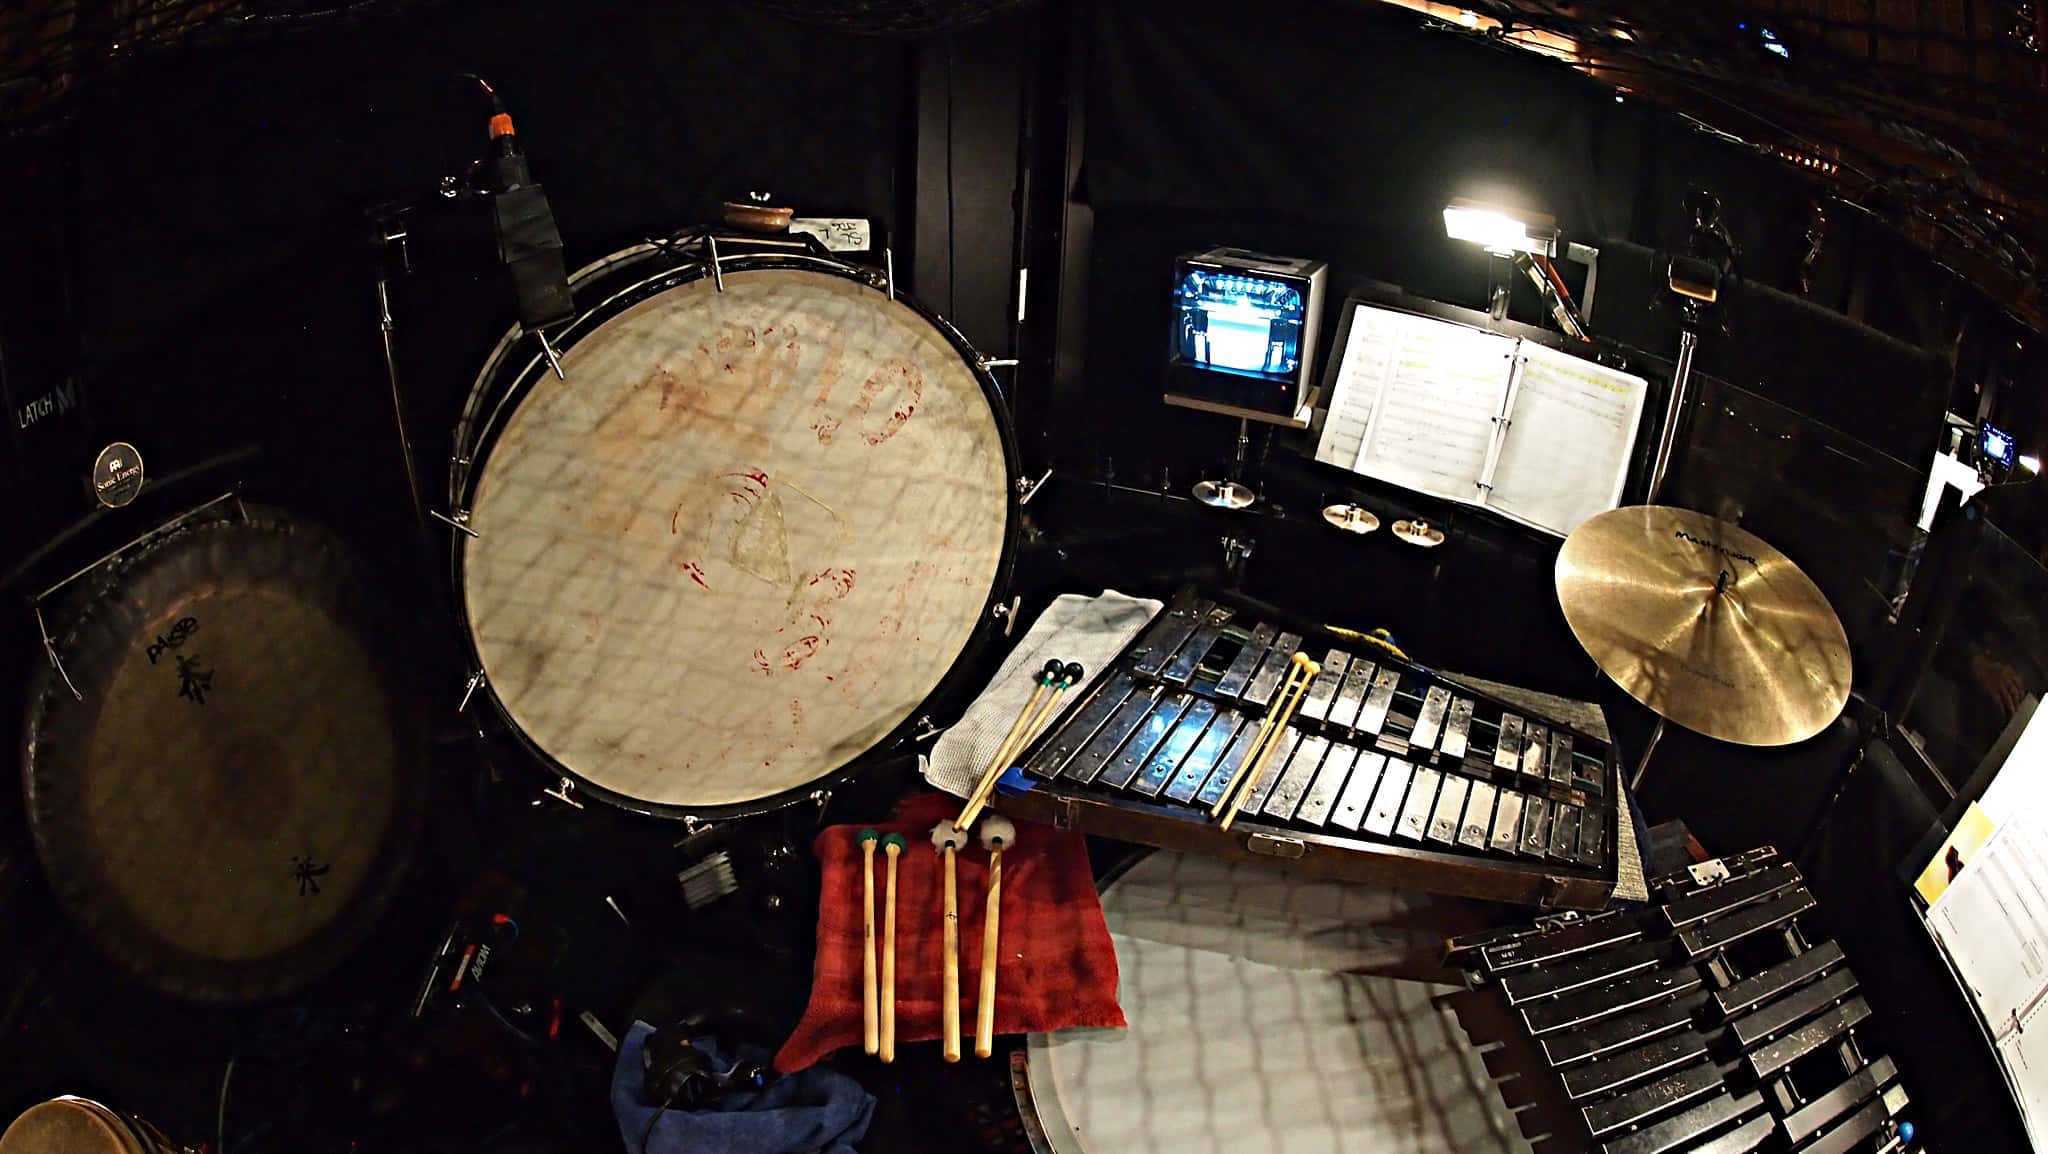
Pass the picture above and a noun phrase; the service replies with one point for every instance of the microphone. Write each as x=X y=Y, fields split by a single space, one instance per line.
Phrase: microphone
x=529 y=244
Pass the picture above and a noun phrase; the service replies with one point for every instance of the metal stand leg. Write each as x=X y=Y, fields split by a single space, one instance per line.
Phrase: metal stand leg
x=1675 y=405
x=1643 y=764
x=1232 y=493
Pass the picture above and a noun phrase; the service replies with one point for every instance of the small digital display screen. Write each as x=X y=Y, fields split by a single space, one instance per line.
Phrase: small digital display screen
x=1997 y=445
x=1239 y=323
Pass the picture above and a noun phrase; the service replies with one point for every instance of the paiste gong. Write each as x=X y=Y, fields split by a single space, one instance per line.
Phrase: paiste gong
x=226 y=801
x=1705 y=624
x=741 y=539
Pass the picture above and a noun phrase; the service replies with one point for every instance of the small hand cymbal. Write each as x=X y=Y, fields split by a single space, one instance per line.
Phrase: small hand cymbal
x=1705 y=624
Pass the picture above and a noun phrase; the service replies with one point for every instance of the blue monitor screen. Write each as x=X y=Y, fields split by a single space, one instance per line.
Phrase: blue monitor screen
x=1240 y=323
x=1998 y=445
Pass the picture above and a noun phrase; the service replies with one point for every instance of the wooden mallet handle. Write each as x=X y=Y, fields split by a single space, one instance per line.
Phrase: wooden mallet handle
x=1265 y=730
x=985 y=1016
x=1011 y=740
x=1309 y=670
x=871 y=1036
x=891 y=847
x=950 y=978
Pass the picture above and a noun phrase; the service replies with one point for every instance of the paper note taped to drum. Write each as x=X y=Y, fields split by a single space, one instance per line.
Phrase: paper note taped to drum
x=744 y=538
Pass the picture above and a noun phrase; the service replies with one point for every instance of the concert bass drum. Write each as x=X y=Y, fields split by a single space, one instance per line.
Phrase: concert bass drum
x=1261 y=1021
x=224 y=779
x=71 y=1125
x=741 y=539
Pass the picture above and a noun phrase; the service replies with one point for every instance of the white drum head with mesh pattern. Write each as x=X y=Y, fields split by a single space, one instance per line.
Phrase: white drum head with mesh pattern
x=744 y=538
x=1260 y=1023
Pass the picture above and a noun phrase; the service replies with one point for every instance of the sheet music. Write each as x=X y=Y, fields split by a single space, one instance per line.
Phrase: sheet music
x=1993 y=921
x=1361 y=374
x=1438 y=409
x=1566 y=450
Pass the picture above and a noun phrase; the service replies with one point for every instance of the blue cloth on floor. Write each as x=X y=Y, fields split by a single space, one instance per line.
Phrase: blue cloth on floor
x=814 y=1111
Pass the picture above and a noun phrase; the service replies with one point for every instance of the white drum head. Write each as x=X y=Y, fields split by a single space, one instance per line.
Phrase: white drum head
x=1248 y=1035
x=741 y=542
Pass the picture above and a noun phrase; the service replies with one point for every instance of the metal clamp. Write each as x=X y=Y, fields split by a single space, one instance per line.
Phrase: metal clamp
x=1007 y=614
x=564 y=791
x=925 y=730
x=475 y=679
x=1273 y=845
x=1027 y=488
x=548 y=350
x=996 y=362
x=889 y=270
x=459 y=521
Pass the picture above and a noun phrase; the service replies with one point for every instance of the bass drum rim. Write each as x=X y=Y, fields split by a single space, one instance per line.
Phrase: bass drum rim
x=502 y=385
x=157 y=965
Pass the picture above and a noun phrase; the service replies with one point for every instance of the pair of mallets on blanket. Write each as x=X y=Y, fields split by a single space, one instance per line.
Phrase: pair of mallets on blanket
x=878 y=1008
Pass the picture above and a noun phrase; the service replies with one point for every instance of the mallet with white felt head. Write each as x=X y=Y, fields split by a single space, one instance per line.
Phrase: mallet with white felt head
x=997 y=835
x=946 y=839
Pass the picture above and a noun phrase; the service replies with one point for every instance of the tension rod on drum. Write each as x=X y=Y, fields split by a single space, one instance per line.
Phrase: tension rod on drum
x=548 y=350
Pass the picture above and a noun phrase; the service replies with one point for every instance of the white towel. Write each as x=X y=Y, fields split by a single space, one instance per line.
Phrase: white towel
x=1090 y=630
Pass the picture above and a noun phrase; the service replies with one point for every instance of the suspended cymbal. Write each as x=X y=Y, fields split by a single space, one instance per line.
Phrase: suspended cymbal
x=1705 y=624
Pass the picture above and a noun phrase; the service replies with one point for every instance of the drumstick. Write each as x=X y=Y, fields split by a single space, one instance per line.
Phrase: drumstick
x=946 y=839
x=996 y=833
x=1309 y=671
x=1258 y=739
x=1069 y=675
x=891 y=846
x=871 y=1038
x=996 y=764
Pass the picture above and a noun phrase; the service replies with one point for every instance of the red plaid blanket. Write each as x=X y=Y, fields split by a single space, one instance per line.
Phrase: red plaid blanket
x=1057 y=966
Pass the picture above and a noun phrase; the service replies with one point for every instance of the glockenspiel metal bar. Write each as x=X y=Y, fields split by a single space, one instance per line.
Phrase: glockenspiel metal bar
x=1759 y=988
x=1386 y=803
x=1421 y=798
x=1507 y=821
x=1283 y=753
x=1561 y=758
x=1594 y=933
x=1372 y=716
x=1808 y=1000
x=1742 y=1140
x=1144 y=741
x=1226 y=767
x=1592 y=839
x=1087 y=764
x=1833 y=1104
x=1259 y=691
x=1082 y=728
x=1357 y=679
x=1478 y=815
x=1507 y=746
x=1716 y=933
x=1730 y=894
x=1239 y=674
x=1692 y=1125
x=1450 y=809
x=1328 y=785
x=1301 y=769
x=1667 y=1052
x=1181 y=670
x=1167 y=758
x=1194 y=770
x=1356 y=800
x=1457 y=728
x=1564 y=831
x=1611 y=1034
x=1861 y=1125
x=1166 y=637
x=1768 y=1060
x=1535 y=752
x=1535 y=827
x=1429 y=720
x=1575 y=1010
x=1315 y=704
x=1591 y=970
x=1611 y=1114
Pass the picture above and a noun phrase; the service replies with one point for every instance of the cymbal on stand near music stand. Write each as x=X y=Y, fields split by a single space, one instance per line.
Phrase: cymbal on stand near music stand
x=1706 y=625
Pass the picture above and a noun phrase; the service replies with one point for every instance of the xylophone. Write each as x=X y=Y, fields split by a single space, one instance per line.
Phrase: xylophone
x=1382 y=771
x=1710 y=1023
